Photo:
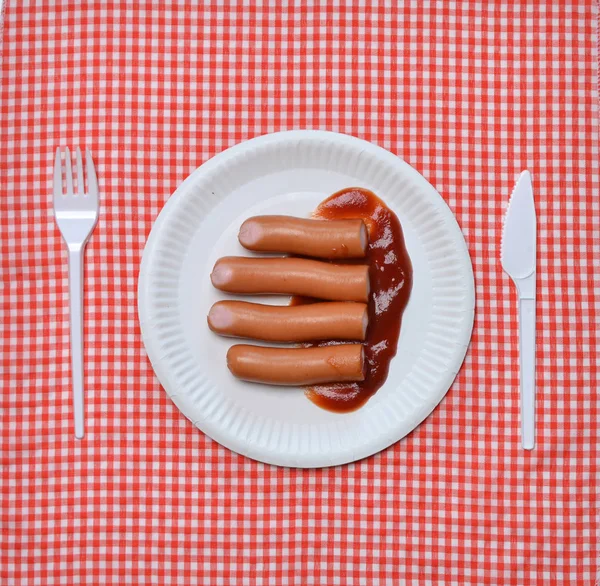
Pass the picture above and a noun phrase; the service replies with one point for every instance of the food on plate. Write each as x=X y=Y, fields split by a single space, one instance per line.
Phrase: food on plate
x=391 y=283
x=341 y=320
x=336 y=239
x=292 y=276
x=297 y=366
x=332 y=303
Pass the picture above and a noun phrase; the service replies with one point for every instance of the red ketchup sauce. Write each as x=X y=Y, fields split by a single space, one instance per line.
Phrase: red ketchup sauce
x=390 y=273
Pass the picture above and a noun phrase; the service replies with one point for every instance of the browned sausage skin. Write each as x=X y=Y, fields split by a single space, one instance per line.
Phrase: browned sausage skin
x=297 y=366
x=292 y=276
x=334 y=239
x=336 y=320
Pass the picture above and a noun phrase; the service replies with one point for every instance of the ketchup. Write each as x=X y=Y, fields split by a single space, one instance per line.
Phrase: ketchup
x=390 y=273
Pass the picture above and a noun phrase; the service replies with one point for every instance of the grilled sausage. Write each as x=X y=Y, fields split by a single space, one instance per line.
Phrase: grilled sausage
x=297 y=366
x=292 y=276
x=333 y=239
x=333 y=320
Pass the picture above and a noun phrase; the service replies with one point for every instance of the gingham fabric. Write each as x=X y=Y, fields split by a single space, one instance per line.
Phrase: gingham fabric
x=469 y=93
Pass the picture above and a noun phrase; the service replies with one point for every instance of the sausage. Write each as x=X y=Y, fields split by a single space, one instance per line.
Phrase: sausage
x=332 y=320
x=297 y=366
x=321 y=238
x=292 y=276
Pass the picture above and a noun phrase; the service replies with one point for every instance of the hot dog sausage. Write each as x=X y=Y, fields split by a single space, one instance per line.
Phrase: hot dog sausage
x=301 y=323
x=297 y=366
x=292 y=276
x=320 y=238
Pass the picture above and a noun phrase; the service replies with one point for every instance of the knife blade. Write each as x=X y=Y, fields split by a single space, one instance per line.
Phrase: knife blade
x=518 y=254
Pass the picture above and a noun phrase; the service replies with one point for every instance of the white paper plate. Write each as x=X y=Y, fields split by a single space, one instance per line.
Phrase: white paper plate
x=290 y=173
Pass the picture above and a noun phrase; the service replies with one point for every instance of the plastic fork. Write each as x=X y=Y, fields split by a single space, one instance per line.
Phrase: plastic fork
x=76 y=214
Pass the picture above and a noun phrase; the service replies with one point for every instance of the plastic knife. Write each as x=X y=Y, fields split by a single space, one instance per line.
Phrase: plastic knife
x=518 y=252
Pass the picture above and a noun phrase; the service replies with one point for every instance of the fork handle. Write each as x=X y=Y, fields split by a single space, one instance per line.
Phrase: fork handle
x=76 y=311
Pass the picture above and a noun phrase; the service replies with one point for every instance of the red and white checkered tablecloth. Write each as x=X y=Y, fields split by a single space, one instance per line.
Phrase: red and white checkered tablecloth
x=469 y=93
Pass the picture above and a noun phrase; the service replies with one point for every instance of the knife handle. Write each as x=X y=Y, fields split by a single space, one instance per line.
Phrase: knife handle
x=527 y=371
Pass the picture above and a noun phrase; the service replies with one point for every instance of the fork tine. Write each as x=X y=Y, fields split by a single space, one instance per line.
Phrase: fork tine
x=80 y=178
x=57 y=175
x=69 y=171
x=91 y=176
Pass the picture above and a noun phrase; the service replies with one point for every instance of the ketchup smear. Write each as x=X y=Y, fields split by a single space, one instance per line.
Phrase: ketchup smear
x=390 y=273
